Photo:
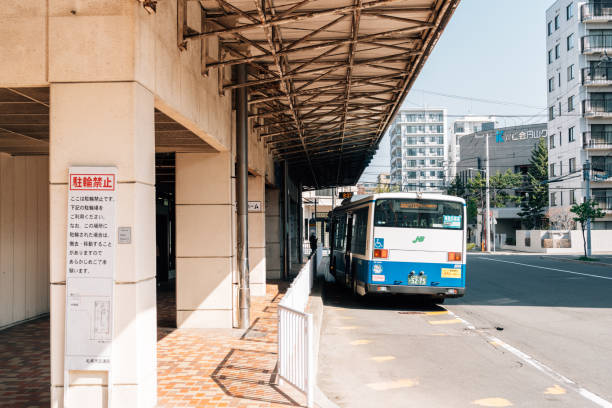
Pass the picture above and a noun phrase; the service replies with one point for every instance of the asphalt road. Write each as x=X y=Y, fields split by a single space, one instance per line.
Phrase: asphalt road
x=530 y=332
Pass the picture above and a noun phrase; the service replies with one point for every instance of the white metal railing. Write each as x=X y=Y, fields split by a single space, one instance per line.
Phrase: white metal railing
x=296 y=363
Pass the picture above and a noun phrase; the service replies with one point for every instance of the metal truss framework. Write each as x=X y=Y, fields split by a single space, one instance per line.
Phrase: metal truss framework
x=325 y=77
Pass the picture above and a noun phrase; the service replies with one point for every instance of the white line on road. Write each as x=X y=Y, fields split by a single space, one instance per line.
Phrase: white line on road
x=551 y=269
x=541 y=367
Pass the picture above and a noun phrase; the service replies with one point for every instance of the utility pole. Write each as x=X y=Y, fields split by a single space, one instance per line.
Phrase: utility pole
x=586 y=170
x=488 y=214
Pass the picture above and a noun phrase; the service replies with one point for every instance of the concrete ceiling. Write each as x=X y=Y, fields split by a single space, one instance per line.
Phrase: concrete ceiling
x=24 y=126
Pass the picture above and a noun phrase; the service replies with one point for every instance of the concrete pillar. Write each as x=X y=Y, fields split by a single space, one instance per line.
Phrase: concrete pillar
x=204 y=239
x=108 y=124
x=257 y=237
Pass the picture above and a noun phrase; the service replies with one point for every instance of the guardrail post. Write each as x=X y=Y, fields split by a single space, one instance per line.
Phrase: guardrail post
x=311 y=376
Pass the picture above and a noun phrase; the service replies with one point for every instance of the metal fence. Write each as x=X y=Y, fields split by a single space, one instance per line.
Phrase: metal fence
x=296 y=363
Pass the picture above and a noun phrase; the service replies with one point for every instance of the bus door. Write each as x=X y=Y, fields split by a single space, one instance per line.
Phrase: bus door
x=347 y=254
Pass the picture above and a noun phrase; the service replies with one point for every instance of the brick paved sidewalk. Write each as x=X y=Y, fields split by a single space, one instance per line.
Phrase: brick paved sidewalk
x=223 y=368
x=196 y=367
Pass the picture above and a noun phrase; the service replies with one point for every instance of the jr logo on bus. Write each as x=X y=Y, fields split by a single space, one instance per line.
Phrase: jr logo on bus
x=420 y=238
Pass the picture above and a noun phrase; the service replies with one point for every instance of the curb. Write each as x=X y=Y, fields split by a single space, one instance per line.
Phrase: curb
x=577 y=261
x=315 y=307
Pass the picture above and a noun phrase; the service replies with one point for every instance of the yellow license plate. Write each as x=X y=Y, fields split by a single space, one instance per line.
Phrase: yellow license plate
x=451 y=273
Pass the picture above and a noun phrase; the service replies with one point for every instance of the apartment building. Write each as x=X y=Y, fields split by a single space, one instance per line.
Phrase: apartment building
x=419 y=150
x=579 y=86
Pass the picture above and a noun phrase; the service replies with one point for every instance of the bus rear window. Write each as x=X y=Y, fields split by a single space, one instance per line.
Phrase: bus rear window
x=403 y=213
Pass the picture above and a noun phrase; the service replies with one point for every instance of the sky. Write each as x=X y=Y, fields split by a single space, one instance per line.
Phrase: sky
x=493 y=50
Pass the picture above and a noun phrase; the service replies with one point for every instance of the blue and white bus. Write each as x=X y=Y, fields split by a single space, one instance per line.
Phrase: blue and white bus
x=411 y=243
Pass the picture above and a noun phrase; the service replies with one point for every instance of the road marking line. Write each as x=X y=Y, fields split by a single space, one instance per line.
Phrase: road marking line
x=383 y=386
x=451 y=321
x=359 y=342
x=345 y=317
x=436 y=313
x=380 y=359
x=541 y=367
x=493 y=402
x=348 y=327
x=550 y=269
x=555 y=390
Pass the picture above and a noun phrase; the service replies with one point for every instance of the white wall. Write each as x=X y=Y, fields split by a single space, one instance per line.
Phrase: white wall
x=600 y=242
x=24 y=237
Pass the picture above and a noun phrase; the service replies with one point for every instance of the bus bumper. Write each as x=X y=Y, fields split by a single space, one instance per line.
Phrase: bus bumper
x=448 y=292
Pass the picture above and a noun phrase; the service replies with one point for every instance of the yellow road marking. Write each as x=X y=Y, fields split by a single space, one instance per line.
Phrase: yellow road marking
x=495 y=343
x=451 y=321
x=555 y=390
x=436 y=313
x=383 y=386
x=360 y=342
x=493 y=402
x=348 y=327
x=380 y=359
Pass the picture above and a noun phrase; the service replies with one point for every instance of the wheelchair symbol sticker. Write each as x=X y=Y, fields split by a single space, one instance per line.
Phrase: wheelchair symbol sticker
x=379 y=243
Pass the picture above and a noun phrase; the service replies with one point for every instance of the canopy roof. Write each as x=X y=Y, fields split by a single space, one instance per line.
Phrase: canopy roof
x=325 y=77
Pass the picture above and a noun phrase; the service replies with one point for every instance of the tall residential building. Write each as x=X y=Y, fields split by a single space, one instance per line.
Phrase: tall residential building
x=579 y=85
x=419 y=150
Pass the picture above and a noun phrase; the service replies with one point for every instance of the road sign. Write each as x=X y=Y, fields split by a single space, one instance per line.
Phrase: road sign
x=254 y=206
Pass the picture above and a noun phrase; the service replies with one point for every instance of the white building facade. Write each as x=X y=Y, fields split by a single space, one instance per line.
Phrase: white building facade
x=579 y=87
x=419 y=150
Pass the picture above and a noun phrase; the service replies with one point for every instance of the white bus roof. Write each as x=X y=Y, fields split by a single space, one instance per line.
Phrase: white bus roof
x=360 y=199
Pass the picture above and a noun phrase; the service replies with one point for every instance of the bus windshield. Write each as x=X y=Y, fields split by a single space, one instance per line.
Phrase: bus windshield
x=411 y=213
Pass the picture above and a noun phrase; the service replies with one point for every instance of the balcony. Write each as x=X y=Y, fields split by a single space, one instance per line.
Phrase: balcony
x=596 y=12
x=596 y=44
x=597 y=76
x=597 y=108
x=605 y=203
x=597 y=140
x=601 y=176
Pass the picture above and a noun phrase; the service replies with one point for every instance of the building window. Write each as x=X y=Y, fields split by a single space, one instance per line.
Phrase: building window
x=570 y=104
x=559 y=79
x=556 y=22
x=560 y=111
x=550 y=58
x=572 y=165
x=551 y=113
x=570 y=72
x=552 y=170
x=549 y=28
x=421 y=162
x=560 y=138
x=553 y=199
x=570 y=41
x=561 y=198
x=432 y=162
x=572 y=197
x=570 y=134
x=560 y=168
x=557 y=51
x=569 y=11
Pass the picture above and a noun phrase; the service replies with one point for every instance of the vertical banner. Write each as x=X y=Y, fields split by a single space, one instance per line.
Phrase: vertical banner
x=90 y=270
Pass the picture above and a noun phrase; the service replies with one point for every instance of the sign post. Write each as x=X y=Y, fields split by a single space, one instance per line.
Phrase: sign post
x=90 y=272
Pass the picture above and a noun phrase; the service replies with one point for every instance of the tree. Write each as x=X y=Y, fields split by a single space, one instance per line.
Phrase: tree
x=535 y=201
x=585 y=211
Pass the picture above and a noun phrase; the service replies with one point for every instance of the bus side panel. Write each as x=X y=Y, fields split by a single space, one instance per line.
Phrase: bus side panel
x=362 y=269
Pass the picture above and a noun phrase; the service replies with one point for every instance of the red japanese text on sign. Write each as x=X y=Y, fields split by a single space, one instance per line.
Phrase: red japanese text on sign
x=100 y=182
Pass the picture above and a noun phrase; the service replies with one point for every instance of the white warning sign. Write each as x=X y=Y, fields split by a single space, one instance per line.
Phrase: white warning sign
x=90 y=267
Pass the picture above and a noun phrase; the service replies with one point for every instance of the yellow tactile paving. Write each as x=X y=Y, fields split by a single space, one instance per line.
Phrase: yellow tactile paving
x=450 y=321
x=390 y=385
x=493 y=402
x=555 y=390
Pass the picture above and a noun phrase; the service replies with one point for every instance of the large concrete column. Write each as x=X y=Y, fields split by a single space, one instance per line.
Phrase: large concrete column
x=108 y=124
x=257 y=237
x=204 y=240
